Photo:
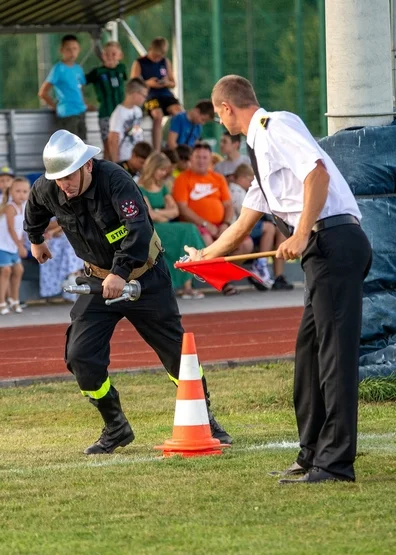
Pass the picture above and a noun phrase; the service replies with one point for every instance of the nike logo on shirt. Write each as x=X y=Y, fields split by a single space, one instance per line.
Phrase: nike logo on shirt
x=202 y=190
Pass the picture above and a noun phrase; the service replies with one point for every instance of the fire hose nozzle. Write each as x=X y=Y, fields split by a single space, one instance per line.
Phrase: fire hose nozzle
x=130 y=292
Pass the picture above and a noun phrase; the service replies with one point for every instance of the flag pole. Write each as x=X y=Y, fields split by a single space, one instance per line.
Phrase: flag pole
x=248 y=256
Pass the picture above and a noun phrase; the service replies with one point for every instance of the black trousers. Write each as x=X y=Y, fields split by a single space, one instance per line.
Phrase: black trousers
x=335 y=263
x=155 y=316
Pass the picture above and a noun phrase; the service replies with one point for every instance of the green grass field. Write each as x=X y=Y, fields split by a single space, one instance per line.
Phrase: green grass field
x=55 y=500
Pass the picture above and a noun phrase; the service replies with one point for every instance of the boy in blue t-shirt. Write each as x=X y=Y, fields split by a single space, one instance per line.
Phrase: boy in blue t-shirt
x=67 y=79
x=186 y=127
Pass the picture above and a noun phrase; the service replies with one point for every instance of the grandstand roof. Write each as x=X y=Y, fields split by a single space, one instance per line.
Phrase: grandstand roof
x=40 y=16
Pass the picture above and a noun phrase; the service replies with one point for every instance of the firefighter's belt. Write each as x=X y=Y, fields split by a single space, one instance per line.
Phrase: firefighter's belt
x=154 y=249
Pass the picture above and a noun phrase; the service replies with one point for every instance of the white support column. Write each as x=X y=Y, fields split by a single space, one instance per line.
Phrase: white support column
x=112 y=28
x=177 y=49
x=359 y=63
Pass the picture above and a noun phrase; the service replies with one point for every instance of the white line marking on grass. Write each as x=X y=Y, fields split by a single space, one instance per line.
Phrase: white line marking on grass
x=366 y=441
x=83 y=464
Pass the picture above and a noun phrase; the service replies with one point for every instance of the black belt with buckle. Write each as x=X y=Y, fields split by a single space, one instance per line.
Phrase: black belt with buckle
x=332 y=221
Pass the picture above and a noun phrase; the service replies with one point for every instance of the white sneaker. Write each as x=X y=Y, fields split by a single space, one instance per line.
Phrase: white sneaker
x=260 y=269
x=14 y=305
x=4 y=309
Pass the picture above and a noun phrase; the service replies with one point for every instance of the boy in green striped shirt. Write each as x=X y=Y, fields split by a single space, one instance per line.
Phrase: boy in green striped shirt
x=108 y=81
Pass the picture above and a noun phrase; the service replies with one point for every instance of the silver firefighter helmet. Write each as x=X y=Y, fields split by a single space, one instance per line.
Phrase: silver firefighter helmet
x=65 y=153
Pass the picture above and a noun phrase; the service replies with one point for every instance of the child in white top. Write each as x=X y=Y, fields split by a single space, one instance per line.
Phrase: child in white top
x=263 y=232
x=12 y=248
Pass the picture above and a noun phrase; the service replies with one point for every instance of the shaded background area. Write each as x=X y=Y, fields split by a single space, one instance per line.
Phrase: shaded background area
x=278 y=46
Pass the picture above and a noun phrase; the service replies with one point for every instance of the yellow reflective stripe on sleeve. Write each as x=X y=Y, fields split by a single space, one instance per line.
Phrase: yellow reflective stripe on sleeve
x=99 y=393
x=176 y=381
x=117 y=234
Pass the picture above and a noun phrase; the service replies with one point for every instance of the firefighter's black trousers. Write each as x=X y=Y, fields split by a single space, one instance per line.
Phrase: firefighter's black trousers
x=155 y=316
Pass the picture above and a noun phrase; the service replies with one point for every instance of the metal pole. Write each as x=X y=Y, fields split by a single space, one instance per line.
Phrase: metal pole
x=217 y=51
x=298 y=8
x=133 y=38
x=177 y=48
x=322 y=68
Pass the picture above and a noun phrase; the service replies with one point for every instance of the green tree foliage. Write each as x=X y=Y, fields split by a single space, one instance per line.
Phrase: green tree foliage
x=258 y=41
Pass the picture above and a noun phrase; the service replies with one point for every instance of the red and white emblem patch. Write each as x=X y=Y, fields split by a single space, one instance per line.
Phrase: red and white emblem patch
x=129 y=209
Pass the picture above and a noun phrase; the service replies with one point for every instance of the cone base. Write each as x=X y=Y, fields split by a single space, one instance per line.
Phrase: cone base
x=182 y=448
x=168 y=451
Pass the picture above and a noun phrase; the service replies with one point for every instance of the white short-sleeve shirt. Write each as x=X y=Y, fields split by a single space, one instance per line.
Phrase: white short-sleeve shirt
x=286 y=153
x=127 y=123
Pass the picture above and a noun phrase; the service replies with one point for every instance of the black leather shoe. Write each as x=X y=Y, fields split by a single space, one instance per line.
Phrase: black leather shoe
x=110 y=439
x=316 y=475
x=218 y=431
x=294 y=470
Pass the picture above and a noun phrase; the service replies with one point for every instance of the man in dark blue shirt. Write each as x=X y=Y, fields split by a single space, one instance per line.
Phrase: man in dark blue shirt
x=156 y=71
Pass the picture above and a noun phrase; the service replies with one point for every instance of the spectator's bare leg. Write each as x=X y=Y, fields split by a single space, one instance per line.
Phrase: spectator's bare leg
x=267 y=238
x=157 y=115
x=15 y=281
x=246 y=247
x=5 y=275
x=280 y=281
x=279 y=263
x=175 y=109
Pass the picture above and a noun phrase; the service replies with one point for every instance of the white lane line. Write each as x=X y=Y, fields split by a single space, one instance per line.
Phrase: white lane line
x=365 y=441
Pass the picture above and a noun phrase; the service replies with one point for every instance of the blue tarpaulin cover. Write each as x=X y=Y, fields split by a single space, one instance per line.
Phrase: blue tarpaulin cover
x=367 y=159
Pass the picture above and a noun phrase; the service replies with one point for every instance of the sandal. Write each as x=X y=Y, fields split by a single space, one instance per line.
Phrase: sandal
x=229 y=290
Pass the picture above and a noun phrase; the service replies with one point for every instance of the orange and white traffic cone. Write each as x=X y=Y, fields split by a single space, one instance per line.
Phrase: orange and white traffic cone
x=191 y=430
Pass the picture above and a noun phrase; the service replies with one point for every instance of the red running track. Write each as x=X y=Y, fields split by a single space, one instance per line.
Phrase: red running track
x=33 y=351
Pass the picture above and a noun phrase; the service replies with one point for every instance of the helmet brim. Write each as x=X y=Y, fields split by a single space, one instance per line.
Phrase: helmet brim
x=88 y=154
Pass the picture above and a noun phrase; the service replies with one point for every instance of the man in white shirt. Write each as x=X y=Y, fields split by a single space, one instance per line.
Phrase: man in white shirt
x=312 y=204
x=125 y=122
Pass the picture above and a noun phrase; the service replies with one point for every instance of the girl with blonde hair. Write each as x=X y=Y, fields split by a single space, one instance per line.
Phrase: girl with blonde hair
x=12 y=248
x=163 y=210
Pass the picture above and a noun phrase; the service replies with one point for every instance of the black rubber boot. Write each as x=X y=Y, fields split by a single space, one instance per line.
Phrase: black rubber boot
x=218 y=431
x=117 y=431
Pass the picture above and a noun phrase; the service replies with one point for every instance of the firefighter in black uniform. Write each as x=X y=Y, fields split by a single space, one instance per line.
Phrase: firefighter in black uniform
x=105 y=218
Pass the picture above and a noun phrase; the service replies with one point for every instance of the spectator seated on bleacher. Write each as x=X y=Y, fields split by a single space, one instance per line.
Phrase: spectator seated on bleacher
x=229 y=148
x=174 y=160
x=108 y=80
x=125 y=129
x=184 y=155
x=156 y=71
x=163 y=210
x=140 y=152
x=266 y=236
x=186 y=127
x=204 y=199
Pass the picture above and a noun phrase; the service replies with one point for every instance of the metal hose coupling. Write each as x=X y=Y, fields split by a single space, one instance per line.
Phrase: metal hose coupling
x=131 y=291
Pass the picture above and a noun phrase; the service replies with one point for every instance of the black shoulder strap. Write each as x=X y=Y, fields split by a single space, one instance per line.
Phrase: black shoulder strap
x=286 y=230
